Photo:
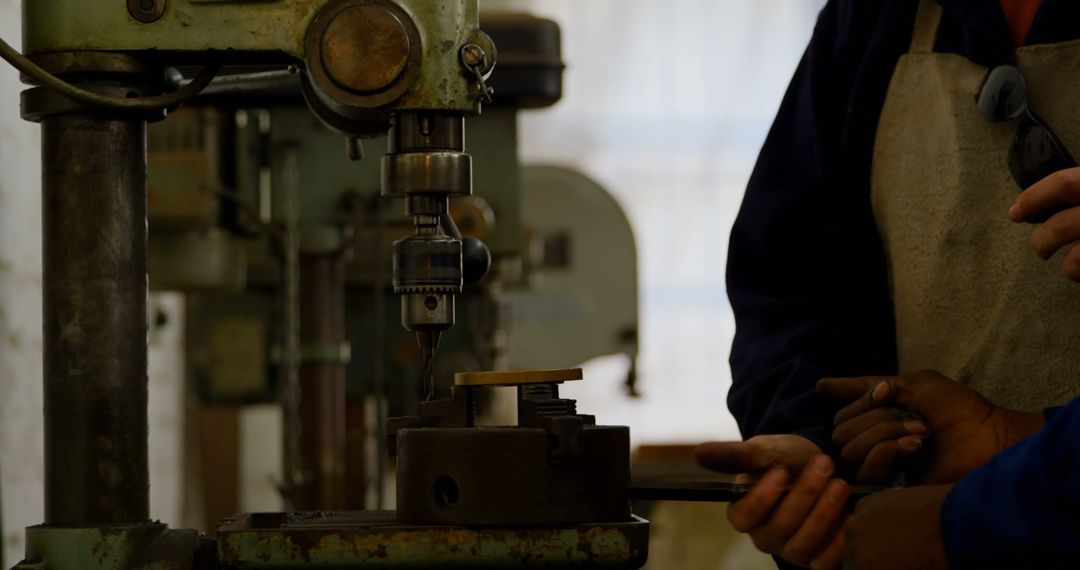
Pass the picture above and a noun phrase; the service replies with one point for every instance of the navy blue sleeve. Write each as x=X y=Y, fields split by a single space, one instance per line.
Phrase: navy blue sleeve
x=1020 y=510
x=806 y=273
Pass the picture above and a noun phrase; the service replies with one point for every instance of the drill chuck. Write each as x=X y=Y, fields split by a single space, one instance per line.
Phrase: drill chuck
x=427 y=264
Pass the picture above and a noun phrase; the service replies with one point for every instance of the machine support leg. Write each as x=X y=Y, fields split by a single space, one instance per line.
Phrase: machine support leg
x=95 y=320
x=322 y=381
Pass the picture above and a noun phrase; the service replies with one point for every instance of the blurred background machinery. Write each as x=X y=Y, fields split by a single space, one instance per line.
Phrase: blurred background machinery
x=275 y=238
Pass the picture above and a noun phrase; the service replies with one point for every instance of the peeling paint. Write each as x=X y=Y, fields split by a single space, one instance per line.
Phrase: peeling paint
x=359 y=540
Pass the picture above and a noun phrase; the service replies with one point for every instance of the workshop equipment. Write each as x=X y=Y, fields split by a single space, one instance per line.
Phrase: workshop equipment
x=414 y=66
x=553 y=467
x=426 y=165
x=224 y=172
x=227 y=212
x=549 y=492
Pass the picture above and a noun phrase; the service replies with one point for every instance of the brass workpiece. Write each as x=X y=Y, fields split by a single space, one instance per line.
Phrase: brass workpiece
x=517 y=377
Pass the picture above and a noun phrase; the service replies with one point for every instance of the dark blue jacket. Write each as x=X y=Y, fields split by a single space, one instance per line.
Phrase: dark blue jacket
x=1021 y=510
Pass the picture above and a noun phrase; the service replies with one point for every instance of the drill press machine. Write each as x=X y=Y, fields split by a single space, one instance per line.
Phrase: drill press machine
x=100 y=73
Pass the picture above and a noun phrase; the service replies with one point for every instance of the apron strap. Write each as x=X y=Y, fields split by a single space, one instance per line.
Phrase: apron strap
x=927 y=20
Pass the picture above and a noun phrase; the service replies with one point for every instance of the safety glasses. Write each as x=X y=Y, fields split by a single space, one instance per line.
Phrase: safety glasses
x=1035 y=152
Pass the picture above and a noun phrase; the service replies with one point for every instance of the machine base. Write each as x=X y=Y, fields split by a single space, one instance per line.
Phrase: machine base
x=374 y=539
x=151 y=545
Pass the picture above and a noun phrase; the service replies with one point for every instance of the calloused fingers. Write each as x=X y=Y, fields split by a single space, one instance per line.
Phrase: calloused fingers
x=856 y=452
x=832 y=558
x=747 y=513
x=820 y=527
x=771 y=535
x=1059 y=189
x=1060 y=230
x=884 y=459
x=901 y=420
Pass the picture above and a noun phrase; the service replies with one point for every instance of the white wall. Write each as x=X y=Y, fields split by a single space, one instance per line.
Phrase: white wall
x=21 y=468
x=667 y=104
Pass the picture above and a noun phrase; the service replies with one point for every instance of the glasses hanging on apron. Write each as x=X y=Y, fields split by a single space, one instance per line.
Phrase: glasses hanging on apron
x=1035 y=152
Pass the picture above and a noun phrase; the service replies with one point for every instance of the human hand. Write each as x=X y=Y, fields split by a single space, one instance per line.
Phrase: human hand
x=897 y=530
x=801 y=523
x=964 y=429
x=1053 y=202
x=875 y=444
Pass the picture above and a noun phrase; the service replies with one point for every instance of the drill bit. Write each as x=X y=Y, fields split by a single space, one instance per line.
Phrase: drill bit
x=429 y=341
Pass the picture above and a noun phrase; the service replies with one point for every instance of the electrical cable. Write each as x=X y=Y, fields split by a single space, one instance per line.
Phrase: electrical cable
x=153 y=103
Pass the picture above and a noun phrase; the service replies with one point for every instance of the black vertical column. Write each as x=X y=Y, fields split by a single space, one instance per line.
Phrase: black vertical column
x=95 y=320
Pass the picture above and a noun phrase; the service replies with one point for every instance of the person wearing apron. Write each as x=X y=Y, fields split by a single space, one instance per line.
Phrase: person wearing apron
x=941 y=280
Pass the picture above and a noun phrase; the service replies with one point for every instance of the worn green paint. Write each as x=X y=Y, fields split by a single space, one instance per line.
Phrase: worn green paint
x=187 y=25
x=445 y=26
x=194 y=27
x=492 y=140
x=76 y=548
x=117 y=548
x=392 y=545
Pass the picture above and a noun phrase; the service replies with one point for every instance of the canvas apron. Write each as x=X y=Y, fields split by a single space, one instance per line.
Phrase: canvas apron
x=971 y=298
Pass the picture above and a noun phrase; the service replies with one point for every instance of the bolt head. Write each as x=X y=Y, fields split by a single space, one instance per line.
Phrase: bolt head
x=472 y=54
x=146 y=11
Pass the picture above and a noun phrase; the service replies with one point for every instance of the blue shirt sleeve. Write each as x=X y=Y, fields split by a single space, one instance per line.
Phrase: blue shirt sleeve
x=1022 y=509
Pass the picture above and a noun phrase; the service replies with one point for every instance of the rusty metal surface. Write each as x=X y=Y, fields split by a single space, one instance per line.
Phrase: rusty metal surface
x=386 y=47
x=95 y=320
x=363 y=53
x=377 y=540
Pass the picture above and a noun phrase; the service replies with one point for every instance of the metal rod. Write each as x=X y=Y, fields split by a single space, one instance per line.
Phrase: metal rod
x=290 y=387
x=95 y=320
x=322 y=381
x=711 y=491
x=378 y=370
